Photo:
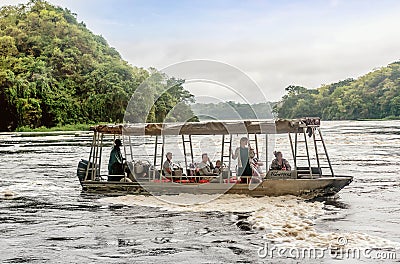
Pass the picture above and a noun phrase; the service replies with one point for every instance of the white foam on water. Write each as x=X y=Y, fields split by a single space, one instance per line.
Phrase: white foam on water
x=286 y=220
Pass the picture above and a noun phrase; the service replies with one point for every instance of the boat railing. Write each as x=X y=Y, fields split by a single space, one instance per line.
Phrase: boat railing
x=304 y=131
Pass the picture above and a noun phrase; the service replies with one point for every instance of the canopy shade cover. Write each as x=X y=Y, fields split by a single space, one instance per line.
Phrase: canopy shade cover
x=267 y=126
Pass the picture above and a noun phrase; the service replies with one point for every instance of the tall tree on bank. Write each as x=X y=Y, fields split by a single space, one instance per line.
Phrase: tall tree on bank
x=54 y=71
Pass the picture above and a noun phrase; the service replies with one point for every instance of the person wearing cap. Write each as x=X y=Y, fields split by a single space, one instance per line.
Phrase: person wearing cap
x=115 y=163
x=167 y=166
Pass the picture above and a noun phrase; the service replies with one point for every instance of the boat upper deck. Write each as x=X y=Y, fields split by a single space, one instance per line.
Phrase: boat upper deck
x=266 y=126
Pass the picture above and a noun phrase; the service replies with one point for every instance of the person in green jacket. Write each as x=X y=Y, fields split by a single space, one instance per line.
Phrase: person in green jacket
x=115 y=164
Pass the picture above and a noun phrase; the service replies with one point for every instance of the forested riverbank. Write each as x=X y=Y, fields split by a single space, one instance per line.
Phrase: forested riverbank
x=55 y=74
x=375 y=95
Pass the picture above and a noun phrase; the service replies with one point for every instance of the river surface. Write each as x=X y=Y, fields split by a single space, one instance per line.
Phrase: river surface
x=45 y=218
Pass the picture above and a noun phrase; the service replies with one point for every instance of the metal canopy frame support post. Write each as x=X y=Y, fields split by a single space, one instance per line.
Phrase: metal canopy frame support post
x=308 y=152
x=91 y=160
x=296 y=156
x=101 y=151
x=185 y=150
x=123 y=143
x=162 y=152
x=316 y=151
x=293 y=151
x=125 y=154
x=96 y=162
x=94 y=157
x=266 y=153
x=326 y=152
x=229 y=156
x=155 y=152
x=90 y=155
x=191 y=149
x=255 y=142
x=130 y=146
x=156 y=155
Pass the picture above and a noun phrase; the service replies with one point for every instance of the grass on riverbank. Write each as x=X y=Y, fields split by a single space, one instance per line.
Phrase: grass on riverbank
x=74 y=127
x=380 y=119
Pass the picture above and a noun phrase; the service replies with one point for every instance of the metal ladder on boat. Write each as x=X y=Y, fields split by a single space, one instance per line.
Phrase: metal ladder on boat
x=226 y=154
x=128 y=152
x=96 y=151
x=316 y=137
x=303 y=156
x=254 y=140
x=159 y=152
x=187 y=149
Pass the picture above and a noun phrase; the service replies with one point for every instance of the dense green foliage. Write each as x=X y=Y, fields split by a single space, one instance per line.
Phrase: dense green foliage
x=231 y=110
x=70 y=127
x=375 y=95
x=160 y=98
x=54 y=71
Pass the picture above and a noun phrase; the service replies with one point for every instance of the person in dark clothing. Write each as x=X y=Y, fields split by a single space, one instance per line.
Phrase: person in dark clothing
x=279 y=163
x=217 y=167
x=244 y=153
x=115 y=164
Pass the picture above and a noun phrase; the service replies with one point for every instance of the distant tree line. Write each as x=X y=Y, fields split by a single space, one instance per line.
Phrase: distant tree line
x=232 y=110
x=54 y=71
x=375 y=95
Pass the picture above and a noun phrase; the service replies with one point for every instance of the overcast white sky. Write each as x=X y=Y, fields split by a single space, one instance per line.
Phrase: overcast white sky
x=276 y=43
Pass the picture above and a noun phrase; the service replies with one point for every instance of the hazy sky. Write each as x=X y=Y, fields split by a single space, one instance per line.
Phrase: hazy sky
x=276 y=43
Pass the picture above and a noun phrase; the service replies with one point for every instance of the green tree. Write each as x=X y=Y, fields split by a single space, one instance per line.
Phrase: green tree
x=54 y=71
x=374 y=95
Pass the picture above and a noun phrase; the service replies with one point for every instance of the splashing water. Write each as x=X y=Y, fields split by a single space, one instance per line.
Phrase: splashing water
x=287 y=220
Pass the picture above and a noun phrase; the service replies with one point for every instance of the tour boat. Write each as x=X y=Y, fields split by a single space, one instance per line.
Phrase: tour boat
x=311 y=174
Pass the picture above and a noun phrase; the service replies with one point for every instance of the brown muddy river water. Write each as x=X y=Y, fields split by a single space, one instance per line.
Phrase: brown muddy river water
x=47 y=219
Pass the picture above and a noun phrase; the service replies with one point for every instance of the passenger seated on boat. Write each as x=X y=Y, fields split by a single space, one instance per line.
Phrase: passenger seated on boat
x=205 y=166
x=256 y=167
x=115 y=163
x=245 y=153
x=218 y=168
x=279 y=163
x=167 y=166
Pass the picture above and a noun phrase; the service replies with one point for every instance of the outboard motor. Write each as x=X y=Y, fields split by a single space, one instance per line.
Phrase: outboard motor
x=82 y=167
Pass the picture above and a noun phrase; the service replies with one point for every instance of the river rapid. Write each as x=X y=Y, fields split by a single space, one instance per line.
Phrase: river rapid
x=45 y=218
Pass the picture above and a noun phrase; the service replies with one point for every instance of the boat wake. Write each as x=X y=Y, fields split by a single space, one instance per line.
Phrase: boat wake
x=287 y=221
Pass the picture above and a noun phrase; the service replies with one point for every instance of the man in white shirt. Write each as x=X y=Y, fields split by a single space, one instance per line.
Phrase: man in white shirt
x=167 y=166
x=205 y=166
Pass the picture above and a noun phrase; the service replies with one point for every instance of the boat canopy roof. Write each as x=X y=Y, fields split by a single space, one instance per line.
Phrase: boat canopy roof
x=264 y=126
